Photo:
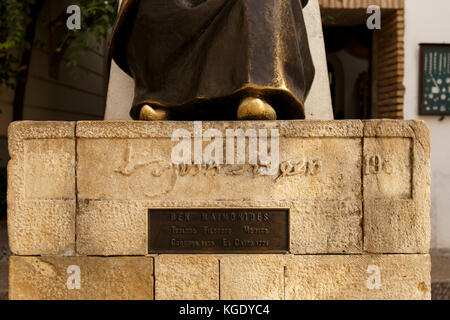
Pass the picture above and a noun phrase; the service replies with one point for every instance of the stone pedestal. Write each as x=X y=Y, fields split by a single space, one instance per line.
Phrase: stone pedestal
x=357 y=192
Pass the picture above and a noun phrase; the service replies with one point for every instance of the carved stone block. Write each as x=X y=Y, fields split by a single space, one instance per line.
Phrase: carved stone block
x=353 y=199
x=41 y=187
x=80 y=278
x=186 y=277
x=242 y=277
x=419 y=155
x=396 y=226
x=133 y=171
x=120 y=227
x=318 y=160
x=333 y=176
x=42 y=228
x=326 y=227
x=396 y=183
x=252 y=277
x=107 y=228
x=356 y=277
x=387 y=168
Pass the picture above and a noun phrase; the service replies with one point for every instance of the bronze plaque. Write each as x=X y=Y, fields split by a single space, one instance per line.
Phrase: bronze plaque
x=218 y=230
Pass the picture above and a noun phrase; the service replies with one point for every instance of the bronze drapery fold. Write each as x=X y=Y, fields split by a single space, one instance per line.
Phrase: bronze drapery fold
x=201 y=57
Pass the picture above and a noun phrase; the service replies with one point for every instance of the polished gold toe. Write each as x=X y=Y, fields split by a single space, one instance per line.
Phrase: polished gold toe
x=255 y=109
x=151 y=114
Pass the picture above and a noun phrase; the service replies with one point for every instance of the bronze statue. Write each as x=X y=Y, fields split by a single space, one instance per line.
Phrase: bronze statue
x=215 y=59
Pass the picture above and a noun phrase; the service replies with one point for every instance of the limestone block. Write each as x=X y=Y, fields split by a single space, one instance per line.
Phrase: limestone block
x=318 y=105
x=80 y=278
x=42 y=165
x=252 y=277
x=418 y=133
x=111 y=228
x=396 y=183
x=326 y=227
x=319 y=160
x=41 y=187
x=387 y=168
x=42 y=228
x=120 y=227
x=396 y=226
x=421 y=158
x=326 y=170
x=186 y=277
x=365 y=277
x=133 y=171
x=49 y=169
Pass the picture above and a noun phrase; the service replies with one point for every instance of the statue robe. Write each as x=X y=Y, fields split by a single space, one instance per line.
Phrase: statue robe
x=201 y=57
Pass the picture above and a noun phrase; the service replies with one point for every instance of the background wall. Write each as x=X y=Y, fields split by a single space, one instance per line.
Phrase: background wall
x=428 y=21
x=64 y=96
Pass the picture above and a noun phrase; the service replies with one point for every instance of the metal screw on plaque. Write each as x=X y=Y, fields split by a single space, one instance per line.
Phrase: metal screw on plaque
x=374 y=281
x=74 y=280
x=74 y=20
x=374 y=21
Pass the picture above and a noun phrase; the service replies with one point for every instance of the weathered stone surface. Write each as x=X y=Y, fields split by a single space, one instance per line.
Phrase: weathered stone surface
x=387 y=168
x=42 y=228
x=396 y=184
x=134 y=170
x=42 y=165
x=111 y=228
x=186 y=277
x=241 y=277
x=252 y=277
x=419 y=133
x=358 y=277
x=422 y=173
x=138 y=166
x=328 y=169
x=164 y=129
x=120 y=227
x=326 y=227
x=49 y=169
x=41 y=187
x=391 y=128
x=49 y=278
x=396 y=226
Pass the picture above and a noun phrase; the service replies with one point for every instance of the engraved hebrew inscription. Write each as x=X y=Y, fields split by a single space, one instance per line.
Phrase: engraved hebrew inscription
x=142 y=169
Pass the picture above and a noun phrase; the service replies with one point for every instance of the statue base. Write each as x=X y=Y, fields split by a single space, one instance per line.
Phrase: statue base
x=219 y=210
